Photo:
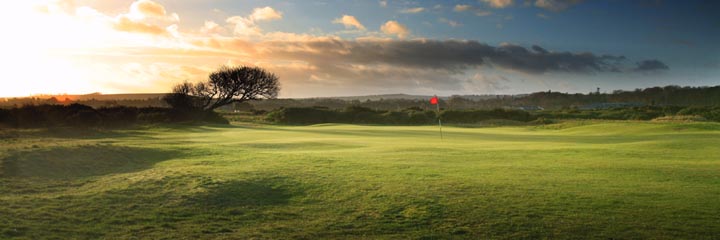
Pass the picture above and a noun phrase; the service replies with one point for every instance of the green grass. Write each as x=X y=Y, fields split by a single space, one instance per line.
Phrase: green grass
x=572 y=180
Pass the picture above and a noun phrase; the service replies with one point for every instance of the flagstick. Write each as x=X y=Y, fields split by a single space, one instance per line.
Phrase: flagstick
x=439 y=122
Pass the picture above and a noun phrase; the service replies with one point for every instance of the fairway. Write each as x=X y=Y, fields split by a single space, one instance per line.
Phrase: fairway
x=572 y=180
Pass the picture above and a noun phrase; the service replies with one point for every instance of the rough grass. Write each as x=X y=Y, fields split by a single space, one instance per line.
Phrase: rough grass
x=572 y=180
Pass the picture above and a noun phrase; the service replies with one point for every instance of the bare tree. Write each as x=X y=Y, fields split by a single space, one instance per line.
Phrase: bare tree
x=224 y=86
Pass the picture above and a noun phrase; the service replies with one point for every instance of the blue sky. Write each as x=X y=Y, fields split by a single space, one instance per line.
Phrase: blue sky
x=414 y=47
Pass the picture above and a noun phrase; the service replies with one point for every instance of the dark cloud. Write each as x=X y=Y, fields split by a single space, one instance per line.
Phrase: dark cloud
x=539 y=49
x=377 y=64
x=650 y=65
x=452 y=55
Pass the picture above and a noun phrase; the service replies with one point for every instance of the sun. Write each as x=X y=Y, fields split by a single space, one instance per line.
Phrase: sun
x=42 y=46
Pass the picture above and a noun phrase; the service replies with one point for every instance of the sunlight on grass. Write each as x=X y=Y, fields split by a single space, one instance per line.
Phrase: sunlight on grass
x=571 y=180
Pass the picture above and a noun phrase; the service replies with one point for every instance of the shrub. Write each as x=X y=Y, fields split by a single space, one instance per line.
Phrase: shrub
x=680 y=118
x=119 y=116
x=303 y=116
x=475 y=116
x=362 y=115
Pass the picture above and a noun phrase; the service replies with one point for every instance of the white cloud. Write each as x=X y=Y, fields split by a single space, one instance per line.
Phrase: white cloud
x=395 y=28
x=146 y=8
x=247 y=26
x=556 y=5
x=477 y=11
x=449 y=22
x=265 y=14
x=499 y=3
x=462 y=7
x=413 y=10
x=244 y=26
x=211 y=27
x=383 y=3
x=349 y=22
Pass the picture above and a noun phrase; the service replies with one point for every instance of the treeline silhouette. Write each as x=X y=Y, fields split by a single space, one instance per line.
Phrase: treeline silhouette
x=654 y=96
x=417 y=116
x=703 y=103
x=708 y=113
x=78 y=115
x=410 y=116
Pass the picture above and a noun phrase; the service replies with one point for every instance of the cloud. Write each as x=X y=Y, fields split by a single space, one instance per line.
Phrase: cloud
x=265 y=14
x=395 y=28
x=126 y=24
x=413 y=10
x=477 y=11
x=59 y=6
x=144 y=8
x=543 y=16
x=539 y=49
x=449 y=22
x=481 y=82
x=383 y=3
x=387 y=63
x=451 y=55
x=247 y=26
x=650 y=66
x=243 y=26
x=349 y=22
x=499 y=3
x=556 y=5
x=211 y=27
x=145 y=17
x=370 y=63
x=462 y=7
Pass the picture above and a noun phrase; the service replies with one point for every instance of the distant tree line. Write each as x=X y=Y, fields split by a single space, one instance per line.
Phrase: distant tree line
x=655 y=96
x=78 y=115
x=710 y=113
x=196 y=103
x=417 y=116
x=410 y=116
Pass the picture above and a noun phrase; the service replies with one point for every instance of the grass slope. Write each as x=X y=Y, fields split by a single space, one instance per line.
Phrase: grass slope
x=573 y=180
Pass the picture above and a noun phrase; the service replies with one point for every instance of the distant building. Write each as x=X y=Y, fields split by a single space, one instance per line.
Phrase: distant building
x=595 y=106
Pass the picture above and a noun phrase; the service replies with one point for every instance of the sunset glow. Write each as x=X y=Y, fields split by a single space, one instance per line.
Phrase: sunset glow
x=331 y=48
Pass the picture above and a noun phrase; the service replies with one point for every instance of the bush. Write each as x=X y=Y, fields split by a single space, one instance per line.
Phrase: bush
x=680 y=118
x=77 y=115
x=5 y=118
x=710 y=113
x=303 y=116
x=475 y=116
x=119 y=116
x=362 y=115
x=214 y=117
x=543 y=121
x=83 y=118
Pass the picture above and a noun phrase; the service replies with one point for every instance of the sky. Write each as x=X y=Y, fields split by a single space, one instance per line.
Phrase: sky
x=327 y=48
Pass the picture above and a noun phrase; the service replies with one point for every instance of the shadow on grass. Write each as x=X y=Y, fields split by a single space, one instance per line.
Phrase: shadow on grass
x=81 y=161
x=246 y=193
x=74 y=133
x=191 y=206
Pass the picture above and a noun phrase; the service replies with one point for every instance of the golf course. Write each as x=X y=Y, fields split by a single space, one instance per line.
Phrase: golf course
x=569 y=180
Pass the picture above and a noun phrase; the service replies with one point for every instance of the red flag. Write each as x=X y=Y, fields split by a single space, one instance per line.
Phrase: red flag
x=434 y=100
